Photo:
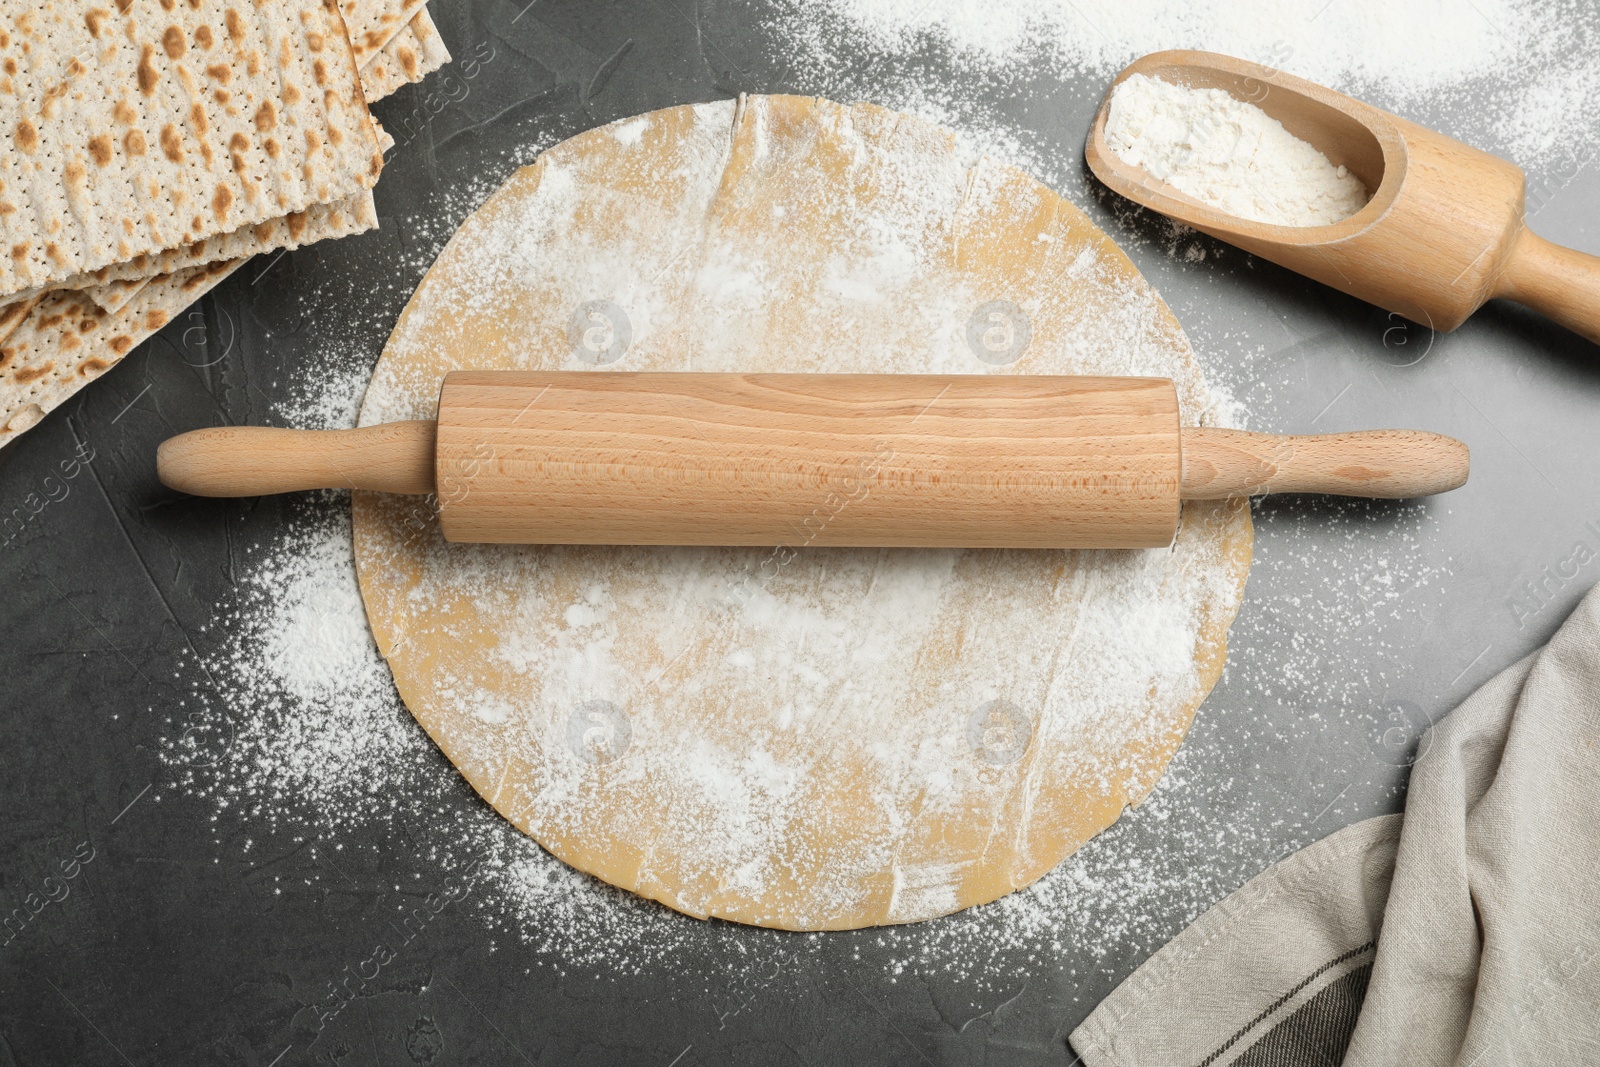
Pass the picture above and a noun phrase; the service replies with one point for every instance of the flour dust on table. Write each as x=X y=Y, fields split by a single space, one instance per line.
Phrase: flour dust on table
x=332 y=766
x=1519 y=78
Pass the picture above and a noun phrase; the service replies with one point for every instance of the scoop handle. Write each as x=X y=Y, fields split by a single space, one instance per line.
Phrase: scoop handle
x=1392 y=464
x=396 y=457
x=1562 y=283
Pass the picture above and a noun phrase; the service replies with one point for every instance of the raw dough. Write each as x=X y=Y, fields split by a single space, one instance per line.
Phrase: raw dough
x=809 y=739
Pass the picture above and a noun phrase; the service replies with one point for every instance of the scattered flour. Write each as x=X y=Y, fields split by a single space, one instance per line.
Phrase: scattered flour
x=1513 y=77
x=302 y=740
x=1228 y=153
x=1405 y=50
x=294 y=731
x=283 y=750
x=767 y=699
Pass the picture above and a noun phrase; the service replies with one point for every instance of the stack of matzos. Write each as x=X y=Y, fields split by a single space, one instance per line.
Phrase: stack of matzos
x=150 y=147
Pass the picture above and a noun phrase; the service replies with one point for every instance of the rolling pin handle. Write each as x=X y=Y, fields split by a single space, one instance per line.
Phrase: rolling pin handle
x=1391 y=464
x=234 y=461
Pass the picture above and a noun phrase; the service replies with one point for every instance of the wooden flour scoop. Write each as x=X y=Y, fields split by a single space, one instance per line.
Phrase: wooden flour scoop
x=978 y=461
x=1442 y=233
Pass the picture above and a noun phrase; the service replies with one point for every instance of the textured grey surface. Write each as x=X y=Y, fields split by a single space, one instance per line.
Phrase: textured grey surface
x=196 y=935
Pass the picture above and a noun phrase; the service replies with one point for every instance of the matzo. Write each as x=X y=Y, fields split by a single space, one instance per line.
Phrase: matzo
x=415 y=52
x=67 y=341
x=114 y=296
x=12 y=315
x=374 y=23
x=112 y=287
x=354 y=214
x=132 y=128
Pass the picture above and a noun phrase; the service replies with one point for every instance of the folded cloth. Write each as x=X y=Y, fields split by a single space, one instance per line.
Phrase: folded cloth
x=1465 y=932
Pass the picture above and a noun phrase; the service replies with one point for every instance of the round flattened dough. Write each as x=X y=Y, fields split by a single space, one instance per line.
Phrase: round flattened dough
x=808 y=739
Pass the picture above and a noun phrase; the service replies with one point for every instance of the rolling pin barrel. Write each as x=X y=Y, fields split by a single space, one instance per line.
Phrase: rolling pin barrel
x=876 y=460
x=809 y=459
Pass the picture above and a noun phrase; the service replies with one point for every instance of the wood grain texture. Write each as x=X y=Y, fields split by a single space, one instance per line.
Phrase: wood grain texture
x=842 y=460
x=1433 y=243
x=1560 y=282
x=910 y=460
x=396 y=457
x=1392 y=464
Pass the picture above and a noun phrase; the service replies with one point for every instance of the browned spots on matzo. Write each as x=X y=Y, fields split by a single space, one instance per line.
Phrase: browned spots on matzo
x=27 y=136
x=123 y=112
x=203 y=36
x=69 y=341
x=319 y=71
x=266 y=116
x=24 y=375
x=291 y=93
x=94 y=365
x=297 y=223
x=134 y=143
x=100 y=149
x=171 y=143
x=155 y=318
x=197 y=117
x=235 y=23
x=120 y=344
x=222 y=201
x=271 y=147
x=148 y=75
x=220 y=72
x=173 y=44
x=94 y=18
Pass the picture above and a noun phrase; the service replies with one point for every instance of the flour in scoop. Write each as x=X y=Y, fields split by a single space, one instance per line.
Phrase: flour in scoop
x=1227 y=153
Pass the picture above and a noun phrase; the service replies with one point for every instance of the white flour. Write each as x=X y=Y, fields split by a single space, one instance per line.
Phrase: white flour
x=355 y=767
x=838 y=693
x=1513 y=77
x=289 y=753
x=1228 y=153
x=1407 y=48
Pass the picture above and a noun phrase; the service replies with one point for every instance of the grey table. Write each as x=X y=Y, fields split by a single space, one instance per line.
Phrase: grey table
x=1362 y=623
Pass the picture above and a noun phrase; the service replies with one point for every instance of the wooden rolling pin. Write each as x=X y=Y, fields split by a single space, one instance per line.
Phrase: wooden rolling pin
x=976 y=461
